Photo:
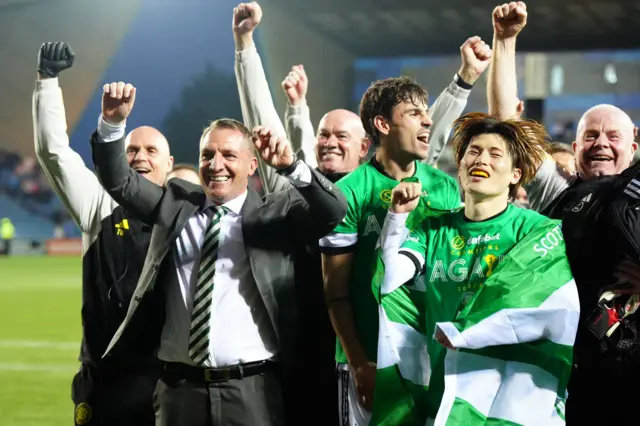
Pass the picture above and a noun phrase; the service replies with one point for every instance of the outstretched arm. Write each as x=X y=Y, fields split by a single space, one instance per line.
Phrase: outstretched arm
x=502 y=88
x=134 y=193
x=255 y=97
x=297 y=116
x=76 y=185
x=476 y=56
x=323 y=204
x=403 y=259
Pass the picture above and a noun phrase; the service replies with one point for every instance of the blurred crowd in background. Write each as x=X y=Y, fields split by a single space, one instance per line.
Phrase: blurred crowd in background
x=23 y=183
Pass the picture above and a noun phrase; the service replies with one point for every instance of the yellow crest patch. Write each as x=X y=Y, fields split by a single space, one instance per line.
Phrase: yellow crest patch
x=120 y=227
x=83 y=413
x=458 y=242
x=385 y=195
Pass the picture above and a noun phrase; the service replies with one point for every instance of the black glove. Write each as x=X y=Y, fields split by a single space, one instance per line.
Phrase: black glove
x=55 y=57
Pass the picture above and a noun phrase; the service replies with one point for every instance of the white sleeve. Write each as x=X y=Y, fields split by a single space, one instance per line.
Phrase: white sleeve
x=399 y=267
x=77 y=186
x=300 y=130
x=258 y=109
x=300 y=176
x=444 y=111
x=547 y=184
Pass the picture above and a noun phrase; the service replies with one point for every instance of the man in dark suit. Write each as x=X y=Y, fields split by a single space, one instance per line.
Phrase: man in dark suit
x=223 y=258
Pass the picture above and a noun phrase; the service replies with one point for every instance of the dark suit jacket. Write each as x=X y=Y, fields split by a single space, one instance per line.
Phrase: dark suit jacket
x=274 y=230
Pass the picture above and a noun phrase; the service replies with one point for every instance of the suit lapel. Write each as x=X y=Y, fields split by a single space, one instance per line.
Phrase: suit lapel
x=251 y=204
x=248 y=213
x=188 y=209
x=162 y=237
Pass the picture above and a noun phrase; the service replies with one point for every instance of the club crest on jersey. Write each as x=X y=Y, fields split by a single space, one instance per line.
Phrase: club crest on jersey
x=457 y=242
x=121 y=227
x=385 y=195
x=83 y=413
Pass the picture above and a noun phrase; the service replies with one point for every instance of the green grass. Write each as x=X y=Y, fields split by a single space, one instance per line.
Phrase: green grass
x=40 y=331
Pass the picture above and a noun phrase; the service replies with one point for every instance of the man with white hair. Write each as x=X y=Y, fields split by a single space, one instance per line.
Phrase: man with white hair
x=115 y=390
x=600 y=212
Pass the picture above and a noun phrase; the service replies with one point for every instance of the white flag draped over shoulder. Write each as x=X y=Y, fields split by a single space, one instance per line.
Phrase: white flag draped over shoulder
x=403 y=368
x=514 y=340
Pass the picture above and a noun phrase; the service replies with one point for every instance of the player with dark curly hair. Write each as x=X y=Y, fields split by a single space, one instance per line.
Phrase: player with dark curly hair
x=395 y=116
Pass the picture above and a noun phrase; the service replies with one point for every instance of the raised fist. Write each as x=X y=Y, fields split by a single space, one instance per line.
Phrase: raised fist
x=405 y=197
x=476 y=56
x=117 y=101
x=274 y=150
x=295 y=85
x=246 y=17
x=54 y=57
x=509 y=19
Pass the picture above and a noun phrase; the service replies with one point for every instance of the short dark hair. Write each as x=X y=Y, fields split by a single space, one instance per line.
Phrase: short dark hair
x=383 y=95
x=556 y=147
x=229 y=123
x=526 y=141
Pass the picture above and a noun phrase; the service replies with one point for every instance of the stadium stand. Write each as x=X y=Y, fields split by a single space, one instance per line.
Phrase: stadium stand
x=28 y=200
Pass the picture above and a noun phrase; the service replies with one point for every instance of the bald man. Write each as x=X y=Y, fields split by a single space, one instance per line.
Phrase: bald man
x=148 y=153
x=600 y=212
x=341 y=143
x=600 y=216
x=117 y=390
x=604 y=146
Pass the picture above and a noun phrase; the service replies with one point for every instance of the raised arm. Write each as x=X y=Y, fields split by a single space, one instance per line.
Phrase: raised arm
x=139 y=196
x=403 y=258
x=255 y=97
x=297 y=117
x=323 y=204
x=76 y=185
x=476 y=56
x=502 y=88
x=547 y=184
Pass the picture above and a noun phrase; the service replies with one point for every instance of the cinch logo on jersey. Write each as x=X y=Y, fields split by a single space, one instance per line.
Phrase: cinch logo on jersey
x=458 y=242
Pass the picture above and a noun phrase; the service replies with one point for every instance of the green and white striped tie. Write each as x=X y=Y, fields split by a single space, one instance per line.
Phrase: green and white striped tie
x=201 y=313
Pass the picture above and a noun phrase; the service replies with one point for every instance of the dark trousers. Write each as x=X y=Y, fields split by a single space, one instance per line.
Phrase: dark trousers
x=251 y=401
x=114 y=399
x=6 y=247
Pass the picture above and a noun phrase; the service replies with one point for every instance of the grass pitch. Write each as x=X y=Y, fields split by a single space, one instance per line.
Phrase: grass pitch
x=40 y=332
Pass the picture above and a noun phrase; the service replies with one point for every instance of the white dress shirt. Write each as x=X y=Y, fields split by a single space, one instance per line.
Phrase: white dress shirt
x=240 y=328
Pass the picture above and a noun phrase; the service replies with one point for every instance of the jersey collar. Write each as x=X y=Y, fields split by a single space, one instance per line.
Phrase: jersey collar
x=376 y=164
